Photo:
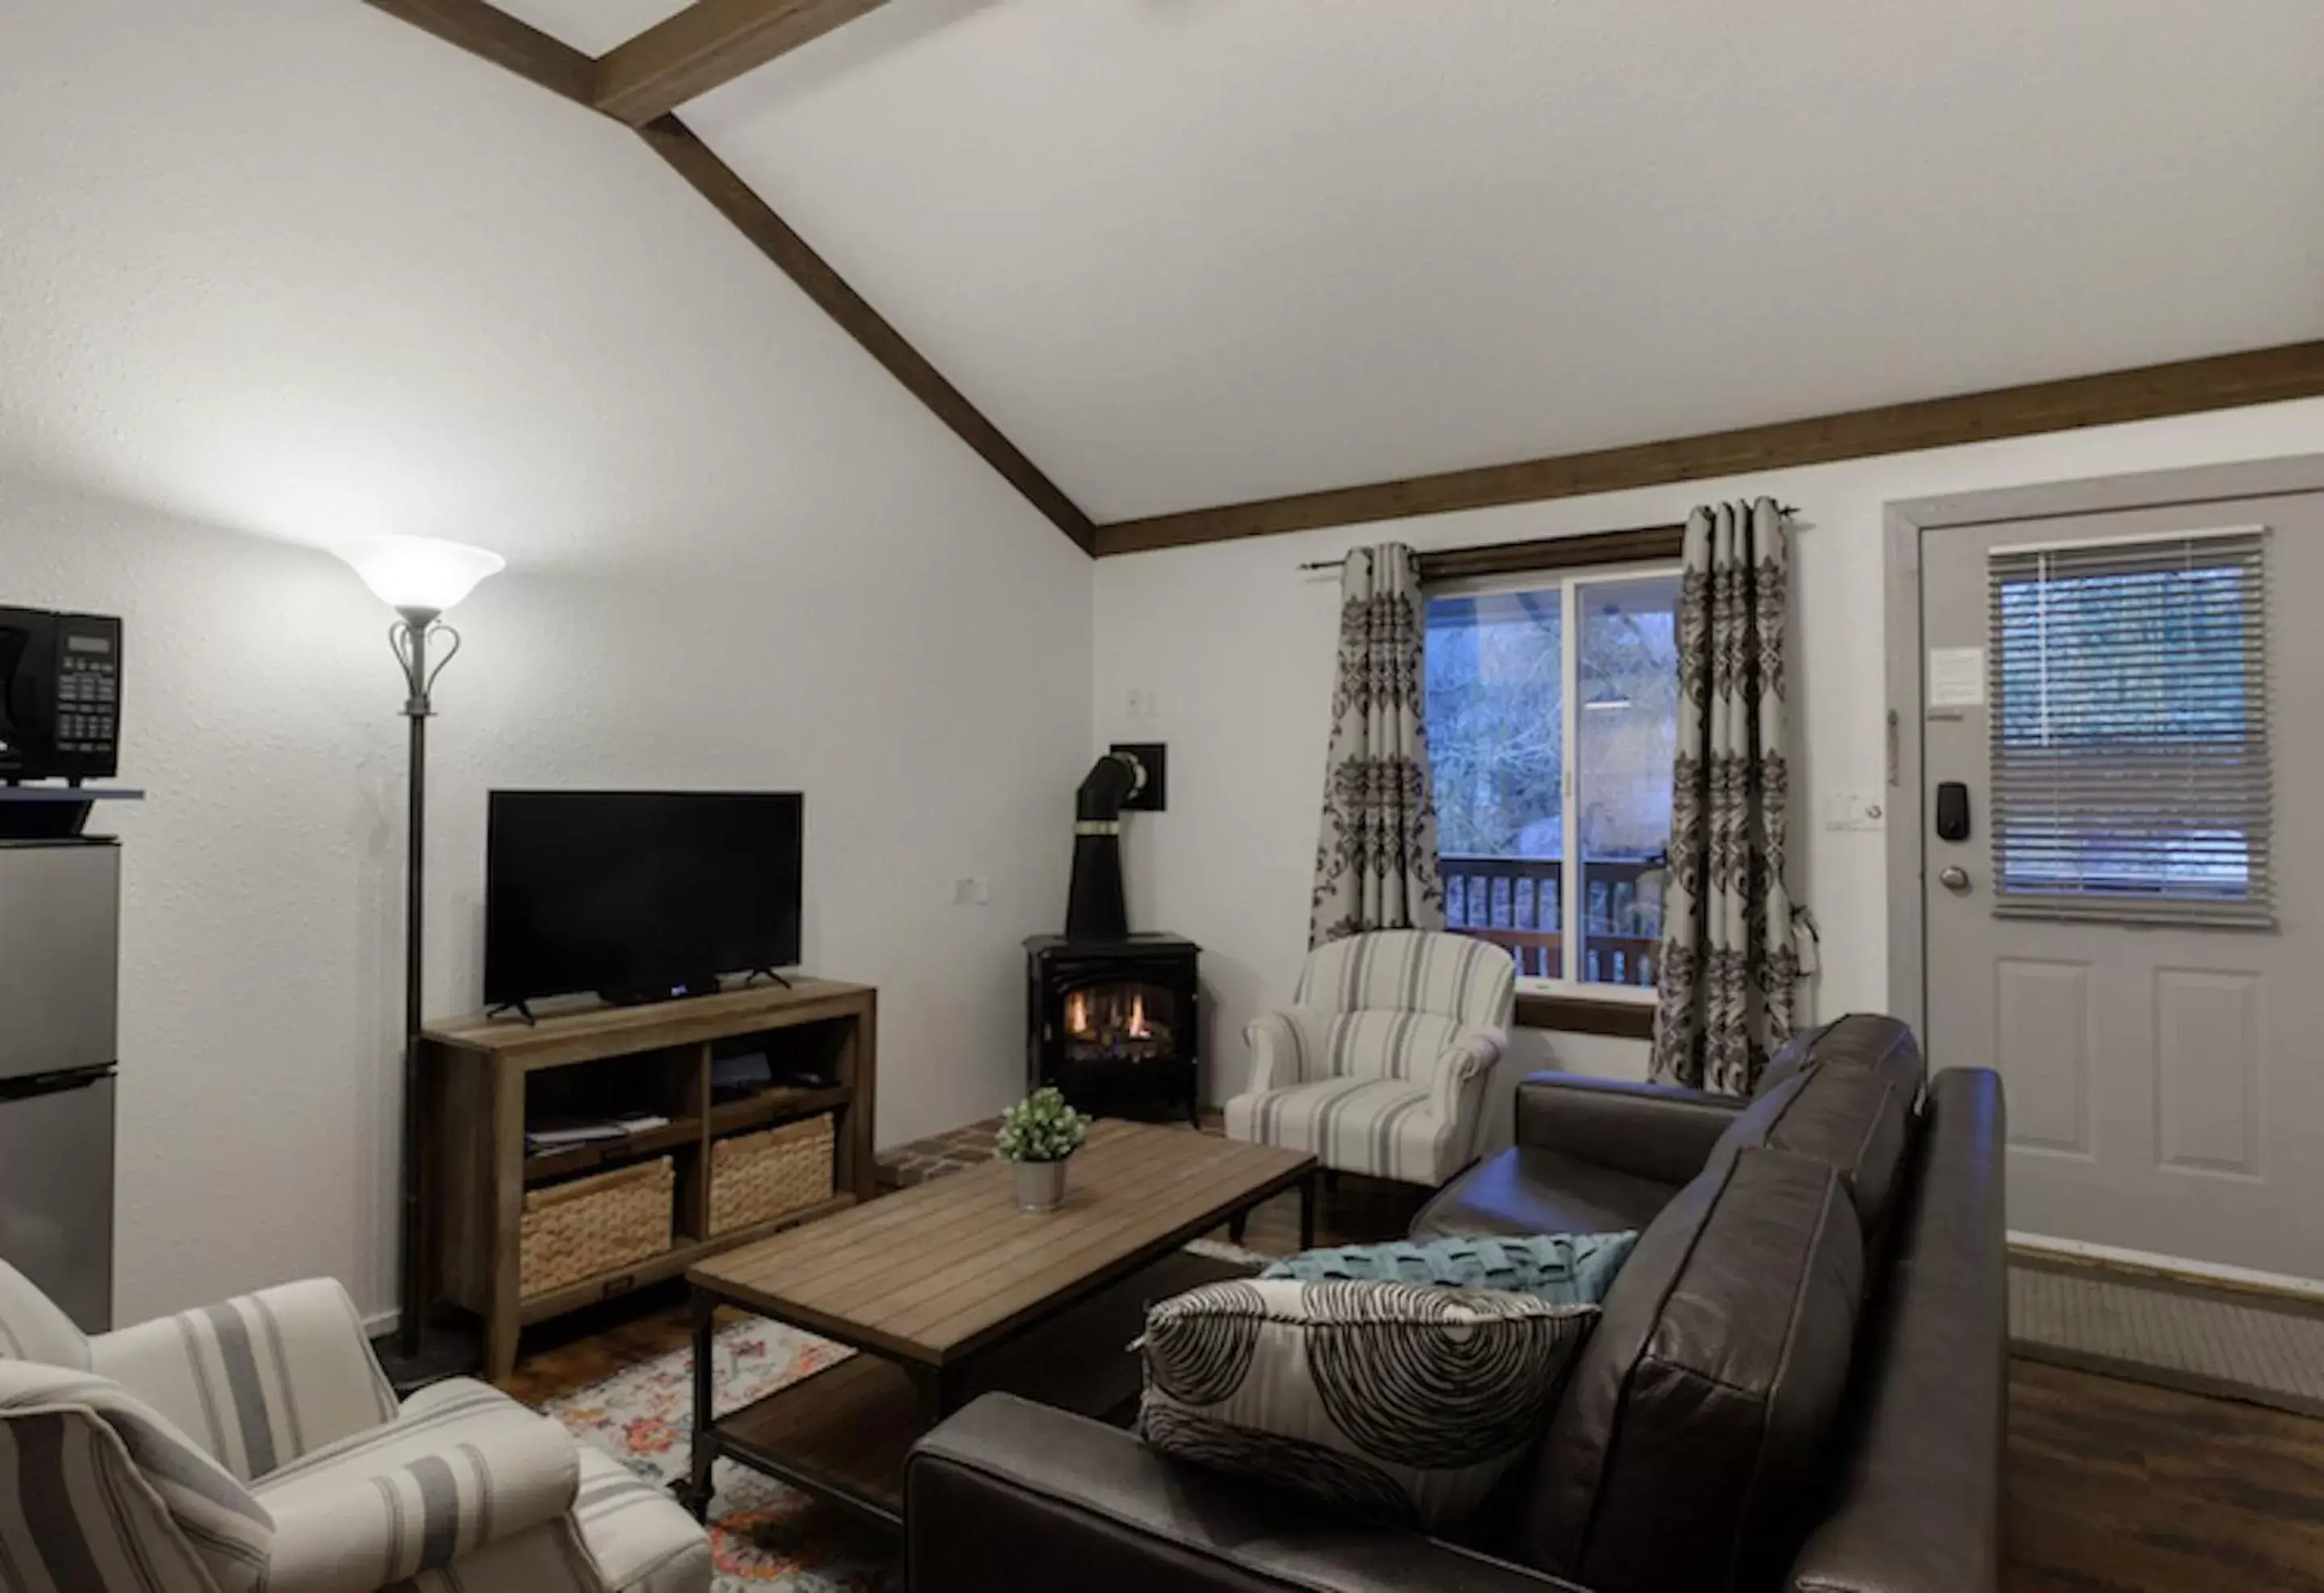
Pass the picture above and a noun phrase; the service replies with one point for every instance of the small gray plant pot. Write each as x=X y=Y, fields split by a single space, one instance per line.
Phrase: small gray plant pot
x=1040 y=1186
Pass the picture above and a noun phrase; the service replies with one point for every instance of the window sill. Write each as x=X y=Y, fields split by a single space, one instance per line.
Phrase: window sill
x=1582 y=1014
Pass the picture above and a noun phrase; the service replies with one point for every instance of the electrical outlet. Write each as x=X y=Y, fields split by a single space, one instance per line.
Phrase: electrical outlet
x=1142 y=704
x=972 y=890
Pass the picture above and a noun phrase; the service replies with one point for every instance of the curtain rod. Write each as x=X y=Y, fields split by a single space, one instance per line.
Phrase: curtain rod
x=1487 y=548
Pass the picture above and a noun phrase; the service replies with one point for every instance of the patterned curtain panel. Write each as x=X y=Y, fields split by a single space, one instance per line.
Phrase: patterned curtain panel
x=1729 y=970
x=1376 y=863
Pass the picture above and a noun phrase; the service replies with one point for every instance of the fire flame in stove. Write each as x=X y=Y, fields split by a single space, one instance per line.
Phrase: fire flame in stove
x=1084 y=1021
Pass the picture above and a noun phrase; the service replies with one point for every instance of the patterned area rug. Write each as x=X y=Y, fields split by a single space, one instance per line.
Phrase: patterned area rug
x=765 y=1535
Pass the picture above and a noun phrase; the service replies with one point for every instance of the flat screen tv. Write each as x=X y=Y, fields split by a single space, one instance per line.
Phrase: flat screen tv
x=637 y=894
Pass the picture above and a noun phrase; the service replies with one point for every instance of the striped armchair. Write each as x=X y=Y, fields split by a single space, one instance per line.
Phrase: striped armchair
x=253 y=1446
x=1380 y=1062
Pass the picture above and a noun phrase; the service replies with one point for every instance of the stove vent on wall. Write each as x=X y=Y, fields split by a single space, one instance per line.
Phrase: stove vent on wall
x=1113 y=1018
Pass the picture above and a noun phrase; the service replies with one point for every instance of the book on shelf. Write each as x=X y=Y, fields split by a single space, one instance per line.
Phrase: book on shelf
x=739 y=1078
x=551 y=1135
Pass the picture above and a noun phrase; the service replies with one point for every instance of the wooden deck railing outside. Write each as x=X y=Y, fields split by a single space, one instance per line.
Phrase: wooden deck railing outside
x=1514 y=902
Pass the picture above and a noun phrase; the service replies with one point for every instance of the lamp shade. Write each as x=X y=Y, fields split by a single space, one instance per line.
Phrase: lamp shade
x=421 y=572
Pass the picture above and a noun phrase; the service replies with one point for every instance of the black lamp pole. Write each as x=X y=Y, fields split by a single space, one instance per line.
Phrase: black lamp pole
x=410 y=637
x=418 y=577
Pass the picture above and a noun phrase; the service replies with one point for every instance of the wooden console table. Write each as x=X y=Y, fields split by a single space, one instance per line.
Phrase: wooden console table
x=479 y=1075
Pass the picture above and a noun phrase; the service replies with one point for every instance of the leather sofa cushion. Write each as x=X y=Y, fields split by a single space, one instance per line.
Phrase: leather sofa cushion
x=1649 y=1131
x=1850 y=1104
x=1527 y=1191
x=1869 y=1041
x=1790 y=1057
x=1686 y=1451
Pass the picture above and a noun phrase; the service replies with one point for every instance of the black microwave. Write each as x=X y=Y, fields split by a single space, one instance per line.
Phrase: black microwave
x=59 y=696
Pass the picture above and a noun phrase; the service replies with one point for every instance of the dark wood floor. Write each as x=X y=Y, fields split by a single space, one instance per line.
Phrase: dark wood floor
x=2113 y=1486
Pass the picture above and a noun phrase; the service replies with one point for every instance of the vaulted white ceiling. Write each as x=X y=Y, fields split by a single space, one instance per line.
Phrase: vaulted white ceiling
x=1188 y=252
x=295 y=267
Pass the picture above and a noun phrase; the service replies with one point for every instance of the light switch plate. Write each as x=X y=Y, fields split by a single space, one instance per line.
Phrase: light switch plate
x=1853 y=810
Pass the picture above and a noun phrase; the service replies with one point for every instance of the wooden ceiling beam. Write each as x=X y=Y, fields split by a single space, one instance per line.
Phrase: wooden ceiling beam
x=710 y=42
x=754 y=32
x=485 y=31
x=735 y=199
x=2256 y=376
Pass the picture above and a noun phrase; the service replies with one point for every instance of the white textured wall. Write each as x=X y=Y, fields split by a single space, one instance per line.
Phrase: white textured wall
x=261 y=933
x=293 y=269
x=1233 y=647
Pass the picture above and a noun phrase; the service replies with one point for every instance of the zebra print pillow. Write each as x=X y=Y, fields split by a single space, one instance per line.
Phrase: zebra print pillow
x=1396 y=1402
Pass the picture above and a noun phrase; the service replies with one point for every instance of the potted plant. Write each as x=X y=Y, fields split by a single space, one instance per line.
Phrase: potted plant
x=1037 y=1134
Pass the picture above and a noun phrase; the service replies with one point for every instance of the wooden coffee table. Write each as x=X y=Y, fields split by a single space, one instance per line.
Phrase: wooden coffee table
x=947 y=1290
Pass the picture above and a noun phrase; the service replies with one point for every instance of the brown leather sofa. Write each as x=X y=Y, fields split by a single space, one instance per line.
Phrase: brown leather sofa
x=1797 y=1382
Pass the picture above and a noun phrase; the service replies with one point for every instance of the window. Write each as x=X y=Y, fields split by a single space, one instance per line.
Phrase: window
x=1552 y=715
x=2130 y=755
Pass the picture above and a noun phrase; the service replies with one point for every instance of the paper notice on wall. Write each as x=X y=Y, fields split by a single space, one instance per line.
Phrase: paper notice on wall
x=1956 y=677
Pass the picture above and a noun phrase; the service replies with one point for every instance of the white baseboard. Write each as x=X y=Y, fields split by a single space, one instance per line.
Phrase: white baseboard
x=2239 y=1278
x=381 y=1322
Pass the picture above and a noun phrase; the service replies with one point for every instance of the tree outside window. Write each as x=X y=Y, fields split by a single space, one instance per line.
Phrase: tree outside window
x=1503 y=668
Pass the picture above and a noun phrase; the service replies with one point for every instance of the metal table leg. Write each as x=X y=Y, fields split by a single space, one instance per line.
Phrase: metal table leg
x=694 y=1490
x=939 y=1391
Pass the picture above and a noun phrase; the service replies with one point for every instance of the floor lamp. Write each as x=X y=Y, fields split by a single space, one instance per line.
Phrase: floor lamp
x=420 y=578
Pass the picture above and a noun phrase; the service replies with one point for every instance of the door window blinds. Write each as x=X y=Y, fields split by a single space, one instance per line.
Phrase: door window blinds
x=2130 y=777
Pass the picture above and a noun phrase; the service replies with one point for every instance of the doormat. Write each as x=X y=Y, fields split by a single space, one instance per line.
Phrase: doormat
x=2263 y=1350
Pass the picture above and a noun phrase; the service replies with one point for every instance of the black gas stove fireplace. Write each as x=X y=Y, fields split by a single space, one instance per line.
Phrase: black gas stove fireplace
x=1113 y=1019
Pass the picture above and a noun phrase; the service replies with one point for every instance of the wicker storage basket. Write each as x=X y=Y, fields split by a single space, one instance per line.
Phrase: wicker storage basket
x=755 y=1177
x=595 y=1225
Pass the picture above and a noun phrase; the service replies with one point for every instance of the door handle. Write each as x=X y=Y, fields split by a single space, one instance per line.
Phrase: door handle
x=1955 y=879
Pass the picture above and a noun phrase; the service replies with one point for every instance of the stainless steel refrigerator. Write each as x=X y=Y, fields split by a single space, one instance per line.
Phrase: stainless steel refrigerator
x=60 y=970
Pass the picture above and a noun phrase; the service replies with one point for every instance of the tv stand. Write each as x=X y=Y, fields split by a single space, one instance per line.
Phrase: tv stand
x=521 y=1009
x=759 y=973
x=477 y=1078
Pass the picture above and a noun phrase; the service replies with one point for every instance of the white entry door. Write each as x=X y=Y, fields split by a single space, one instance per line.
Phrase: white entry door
x=2121 y=887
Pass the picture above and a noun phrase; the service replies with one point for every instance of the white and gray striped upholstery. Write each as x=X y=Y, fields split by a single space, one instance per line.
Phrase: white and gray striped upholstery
x=253 y=1446
x=463 y=1468
x=626 y=1521
x=97 y=1490
x=1412 y=971
x=258 y=1381
x=32 y=1327
x=1380 y=1066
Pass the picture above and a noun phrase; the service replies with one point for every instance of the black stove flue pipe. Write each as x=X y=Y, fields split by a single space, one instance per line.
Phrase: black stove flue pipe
x=1098 y=910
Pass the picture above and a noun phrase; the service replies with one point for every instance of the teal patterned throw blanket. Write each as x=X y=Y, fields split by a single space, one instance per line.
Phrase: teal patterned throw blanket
x=1564 y=1269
